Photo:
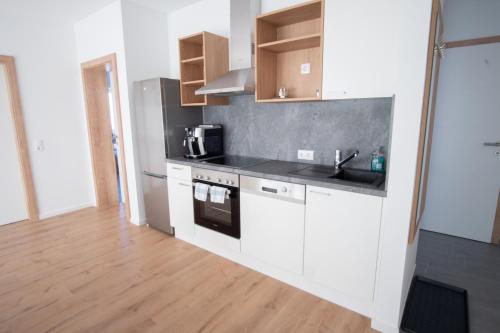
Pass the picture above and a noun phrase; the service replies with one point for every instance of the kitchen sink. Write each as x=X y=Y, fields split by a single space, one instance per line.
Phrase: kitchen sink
x=344 y=175
x=359 y=176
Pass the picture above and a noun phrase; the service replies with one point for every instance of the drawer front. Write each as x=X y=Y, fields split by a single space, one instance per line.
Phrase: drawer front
x=179 y=171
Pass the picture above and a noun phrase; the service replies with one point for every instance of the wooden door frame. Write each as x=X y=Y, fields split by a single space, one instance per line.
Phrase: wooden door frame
x=417 y=206
x=103 y=61
x=21 y=142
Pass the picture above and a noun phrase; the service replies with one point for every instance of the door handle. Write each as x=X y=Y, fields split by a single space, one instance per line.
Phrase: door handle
x=322 y=193
x=150 y=174
x=492 y=144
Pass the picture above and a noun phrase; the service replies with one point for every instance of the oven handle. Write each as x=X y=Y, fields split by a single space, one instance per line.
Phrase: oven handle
x=228 y=191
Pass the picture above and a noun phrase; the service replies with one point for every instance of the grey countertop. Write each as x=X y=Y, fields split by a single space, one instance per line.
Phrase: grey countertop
x=280 y=171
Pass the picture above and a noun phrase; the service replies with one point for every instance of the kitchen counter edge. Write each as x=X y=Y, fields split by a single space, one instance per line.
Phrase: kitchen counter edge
x=282 y=176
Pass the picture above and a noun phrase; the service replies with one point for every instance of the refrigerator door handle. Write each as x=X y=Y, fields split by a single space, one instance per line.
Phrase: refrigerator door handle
x=154 y=175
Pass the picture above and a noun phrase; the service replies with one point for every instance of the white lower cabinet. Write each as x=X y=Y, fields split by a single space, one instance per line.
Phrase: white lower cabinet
x=180 y=200
x=341 y=240
x=272 y=223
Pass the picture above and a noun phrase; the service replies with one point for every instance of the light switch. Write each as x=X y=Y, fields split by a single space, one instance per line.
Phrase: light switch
x=39 y=145
x=305 y=68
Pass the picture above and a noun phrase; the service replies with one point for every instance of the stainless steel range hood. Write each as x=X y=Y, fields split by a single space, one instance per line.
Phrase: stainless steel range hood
x=240 y=79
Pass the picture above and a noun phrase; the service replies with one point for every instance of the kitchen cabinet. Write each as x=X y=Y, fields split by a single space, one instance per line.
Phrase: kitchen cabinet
x=289 y=53
x=203 y=58
x=359 y=49
x=272 y=222
x=341 y=240
x=180 y=200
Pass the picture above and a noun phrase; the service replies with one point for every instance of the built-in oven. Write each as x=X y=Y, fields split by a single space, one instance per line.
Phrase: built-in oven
x=223 y=215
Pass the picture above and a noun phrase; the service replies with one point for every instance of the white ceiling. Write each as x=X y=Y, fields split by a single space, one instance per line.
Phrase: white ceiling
x=166 y=5
x=79 y=9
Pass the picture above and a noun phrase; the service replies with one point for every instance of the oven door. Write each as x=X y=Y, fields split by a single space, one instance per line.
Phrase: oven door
x=224 y=218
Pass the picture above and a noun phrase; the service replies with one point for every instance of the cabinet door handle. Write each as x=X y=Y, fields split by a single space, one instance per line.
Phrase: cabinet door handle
x=322 y=193
x=184 y=184
x=177 y=168
x=492 y=144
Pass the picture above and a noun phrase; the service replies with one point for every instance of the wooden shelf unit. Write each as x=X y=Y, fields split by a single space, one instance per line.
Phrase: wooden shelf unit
x=285 y=40
x=203 y=58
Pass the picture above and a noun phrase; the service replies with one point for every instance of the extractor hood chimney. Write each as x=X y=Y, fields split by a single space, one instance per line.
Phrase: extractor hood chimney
x=240 y=79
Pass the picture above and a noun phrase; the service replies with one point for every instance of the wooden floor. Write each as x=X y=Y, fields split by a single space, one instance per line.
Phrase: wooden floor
x=90 y=271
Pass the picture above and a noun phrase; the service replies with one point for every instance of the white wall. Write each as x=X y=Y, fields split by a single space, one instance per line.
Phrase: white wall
x=138 y=37
x=270 y=5
x=146 y=48
x=12 y=196
x=396 y=258
x=98 y=35
x=465 y=19
x=206 y=15
x=42 y=43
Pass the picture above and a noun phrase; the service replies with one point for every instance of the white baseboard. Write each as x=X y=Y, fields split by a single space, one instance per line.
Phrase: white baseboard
x=137 y=221
x=56 y=212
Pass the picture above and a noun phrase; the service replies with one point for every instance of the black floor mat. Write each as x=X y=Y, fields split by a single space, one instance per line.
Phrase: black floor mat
x=435 y=307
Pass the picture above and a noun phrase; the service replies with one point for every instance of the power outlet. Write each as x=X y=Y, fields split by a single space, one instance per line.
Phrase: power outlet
x=307 y=155
x=305 y=68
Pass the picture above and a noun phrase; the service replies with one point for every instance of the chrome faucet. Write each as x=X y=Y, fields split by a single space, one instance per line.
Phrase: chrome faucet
x=339 y=162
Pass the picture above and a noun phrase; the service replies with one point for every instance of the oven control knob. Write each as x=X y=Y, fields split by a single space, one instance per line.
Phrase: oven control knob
x=207 y=178
x=219 y=180
x=228 y=182
x=284 y=189
x=231 y=182
x=201 y=177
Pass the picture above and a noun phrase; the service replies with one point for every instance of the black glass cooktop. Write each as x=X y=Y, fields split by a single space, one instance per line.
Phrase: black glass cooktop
x=234 y=161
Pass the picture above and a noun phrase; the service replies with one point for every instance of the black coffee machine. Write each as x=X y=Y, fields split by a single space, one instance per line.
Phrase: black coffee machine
x=203 y=141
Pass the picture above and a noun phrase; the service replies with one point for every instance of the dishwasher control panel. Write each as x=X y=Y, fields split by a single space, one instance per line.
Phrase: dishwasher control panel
x=273 y=188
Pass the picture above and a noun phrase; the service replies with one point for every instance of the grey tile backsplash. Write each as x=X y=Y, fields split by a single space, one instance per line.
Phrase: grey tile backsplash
x=277 y=131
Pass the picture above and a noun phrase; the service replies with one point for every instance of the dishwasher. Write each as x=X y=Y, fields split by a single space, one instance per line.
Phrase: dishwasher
x=272 y=222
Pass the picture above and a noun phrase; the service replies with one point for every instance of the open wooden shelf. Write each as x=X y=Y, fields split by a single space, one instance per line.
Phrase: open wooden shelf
x=203 y=58
x=194 y=104
x=195 y=60
x=296 y=99
x=292 y=44
x=194 y=83
x=286 y=39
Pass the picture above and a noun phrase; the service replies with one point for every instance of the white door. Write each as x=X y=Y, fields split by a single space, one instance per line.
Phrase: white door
x=12 y=198
x=464 y=175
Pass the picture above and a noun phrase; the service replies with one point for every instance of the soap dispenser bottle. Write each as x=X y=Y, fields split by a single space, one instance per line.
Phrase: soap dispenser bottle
x=378 y=161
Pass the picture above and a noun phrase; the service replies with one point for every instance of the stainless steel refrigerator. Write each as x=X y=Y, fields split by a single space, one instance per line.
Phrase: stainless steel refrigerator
x=160 y=123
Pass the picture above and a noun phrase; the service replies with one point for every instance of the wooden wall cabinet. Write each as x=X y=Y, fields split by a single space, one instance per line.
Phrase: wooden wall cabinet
x=203 y=58
x=287 y=42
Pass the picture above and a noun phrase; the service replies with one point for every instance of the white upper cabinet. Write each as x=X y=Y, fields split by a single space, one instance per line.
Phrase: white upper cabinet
x=341 y=240
x=359 y=59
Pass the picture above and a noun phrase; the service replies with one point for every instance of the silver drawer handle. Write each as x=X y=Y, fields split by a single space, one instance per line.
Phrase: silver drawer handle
x=183 y=184
x=492 y=144
x=322 y=193
x=177 y=168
